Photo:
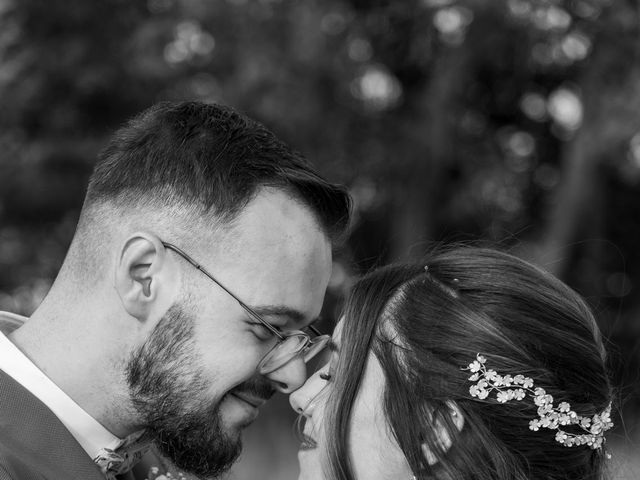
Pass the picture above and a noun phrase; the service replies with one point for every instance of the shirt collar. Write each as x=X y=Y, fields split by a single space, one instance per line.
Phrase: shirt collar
x=89 y=433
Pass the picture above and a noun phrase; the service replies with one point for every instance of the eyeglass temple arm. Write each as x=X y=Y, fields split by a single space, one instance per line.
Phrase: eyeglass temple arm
x=248 y=309
x=315 y=330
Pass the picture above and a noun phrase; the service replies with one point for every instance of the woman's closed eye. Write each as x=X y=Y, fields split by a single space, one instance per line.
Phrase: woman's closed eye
x=327 y=372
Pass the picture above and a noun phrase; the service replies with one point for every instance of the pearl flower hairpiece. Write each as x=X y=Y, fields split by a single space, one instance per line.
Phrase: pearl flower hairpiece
x=518 y=387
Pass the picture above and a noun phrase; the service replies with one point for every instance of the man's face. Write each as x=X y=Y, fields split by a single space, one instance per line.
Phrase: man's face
x=170 y=394
x=194 y=382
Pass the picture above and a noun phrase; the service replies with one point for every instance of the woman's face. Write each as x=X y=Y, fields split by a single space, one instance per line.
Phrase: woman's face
x=373 y=452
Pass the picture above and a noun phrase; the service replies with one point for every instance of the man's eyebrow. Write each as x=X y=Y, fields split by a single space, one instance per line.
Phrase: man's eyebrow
x=296 y=316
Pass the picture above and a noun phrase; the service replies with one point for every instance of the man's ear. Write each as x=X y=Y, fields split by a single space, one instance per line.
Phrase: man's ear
x=147 y=280
x=442 y=432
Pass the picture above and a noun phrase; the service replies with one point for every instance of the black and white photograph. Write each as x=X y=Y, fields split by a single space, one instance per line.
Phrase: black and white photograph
x=320 y=239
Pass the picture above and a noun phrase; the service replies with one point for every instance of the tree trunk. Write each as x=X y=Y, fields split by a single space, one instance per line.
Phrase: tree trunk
x=428 y=151
x=611 y=118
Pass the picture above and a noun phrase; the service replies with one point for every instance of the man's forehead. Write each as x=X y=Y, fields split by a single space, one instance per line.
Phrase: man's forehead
x=276 y=212
x=298 y=255
x=280 y=268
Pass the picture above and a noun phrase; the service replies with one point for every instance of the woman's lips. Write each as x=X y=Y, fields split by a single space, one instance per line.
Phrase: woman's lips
x=308 y=442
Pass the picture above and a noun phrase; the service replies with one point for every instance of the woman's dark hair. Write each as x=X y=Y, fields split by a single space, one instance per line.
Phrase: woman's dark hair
x=424 y=327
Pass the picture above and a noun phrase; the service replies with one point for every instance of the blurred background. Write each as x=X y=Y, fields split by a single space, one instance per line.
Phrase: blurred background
x=515 y=122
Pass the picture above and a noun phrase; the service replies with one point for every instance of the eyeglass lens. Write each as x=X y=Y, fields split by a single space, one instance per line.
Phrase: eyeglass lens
x=293 y=346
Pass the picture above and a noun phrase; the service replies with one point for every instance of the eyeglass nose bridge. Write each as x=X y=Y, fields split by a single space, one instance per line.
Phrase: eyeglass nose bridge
x=315 y=346
x=287 y=350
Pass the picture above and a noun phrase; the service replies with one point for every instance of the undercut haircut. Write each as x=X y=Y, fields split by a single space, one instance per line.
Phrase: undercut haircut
x=211 y=159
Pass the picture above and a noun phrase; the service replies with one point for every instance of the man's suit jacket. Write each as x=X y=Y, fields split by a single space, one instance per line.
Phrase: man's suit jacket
x=35 y=445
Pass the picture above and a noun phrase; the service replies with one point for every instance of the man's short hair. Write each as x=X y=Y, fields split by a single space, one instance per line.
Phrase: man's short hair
x=212 y=159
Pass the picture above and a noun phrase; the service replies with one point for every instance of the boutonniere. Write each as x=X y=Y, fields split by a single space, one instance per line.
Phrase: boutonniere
x=156 y=474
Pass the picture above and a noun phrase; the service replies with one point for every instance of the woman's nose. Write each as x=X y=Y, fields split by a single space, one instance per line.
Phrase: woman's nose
x=297 y=400
x=303 y=399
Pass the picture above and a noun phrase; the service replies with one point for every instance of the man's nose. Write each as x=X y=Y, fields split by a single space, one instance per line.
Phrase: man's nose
x=290 y=377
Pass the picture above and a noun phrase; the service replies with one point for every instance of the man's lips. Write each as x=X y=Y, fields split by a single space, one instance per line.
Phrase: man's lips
x=255 y=402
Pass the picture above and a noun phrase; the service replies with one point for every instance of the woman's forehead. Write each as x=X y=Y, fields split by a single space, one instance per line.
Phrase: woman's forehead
x=336 y=336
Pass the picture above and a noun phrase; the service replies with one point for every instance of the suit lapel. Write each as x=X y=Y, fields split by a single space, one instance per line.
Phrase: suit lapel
x=36 y=436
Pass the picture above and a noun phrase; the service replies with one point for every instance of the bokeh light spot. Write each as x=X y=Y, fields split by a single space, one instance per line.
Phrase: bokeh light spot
x=452 y=23
x=360 y=50
x=551 y=18
x=534 y=106
x=576 y=46
x=519 y=8
x=565 y=107
x=333 y=23
x=521 y=144
x=634 y=149
x=586 y=9
x=190 y=42
x=378 y=88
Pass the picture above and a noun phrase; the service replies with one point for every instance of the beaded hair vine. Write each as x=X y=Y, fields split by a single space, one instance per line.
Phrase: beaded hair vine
x=550 y=416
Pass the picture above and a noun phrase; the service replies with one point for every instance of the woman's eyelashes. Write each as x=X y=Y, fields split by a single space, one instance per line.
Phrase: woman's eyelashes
x=327 y=373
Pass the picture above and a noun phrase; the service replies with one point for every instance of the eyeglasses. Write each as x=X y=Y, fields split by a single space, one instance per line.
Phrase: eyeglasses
x=291 y=344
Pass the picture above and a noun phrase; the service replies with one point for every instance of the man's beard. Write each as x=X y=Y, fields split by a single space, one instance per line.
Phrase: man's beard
x=169 y=392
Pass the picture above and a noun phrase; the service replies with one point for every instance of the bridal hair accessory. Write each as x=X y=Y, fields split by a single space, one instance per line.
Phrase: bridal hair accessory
x=449 y=290
x=553 y=417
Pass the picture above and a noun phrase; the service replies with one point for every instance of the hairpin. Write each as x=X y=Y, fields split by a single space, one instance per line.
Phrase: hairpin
x=553 y=417
x=452 y=291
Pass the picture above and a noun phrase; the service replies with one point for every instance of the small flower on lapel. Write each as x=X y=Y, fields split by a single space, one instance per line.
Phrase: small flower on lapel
x=156 y=474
